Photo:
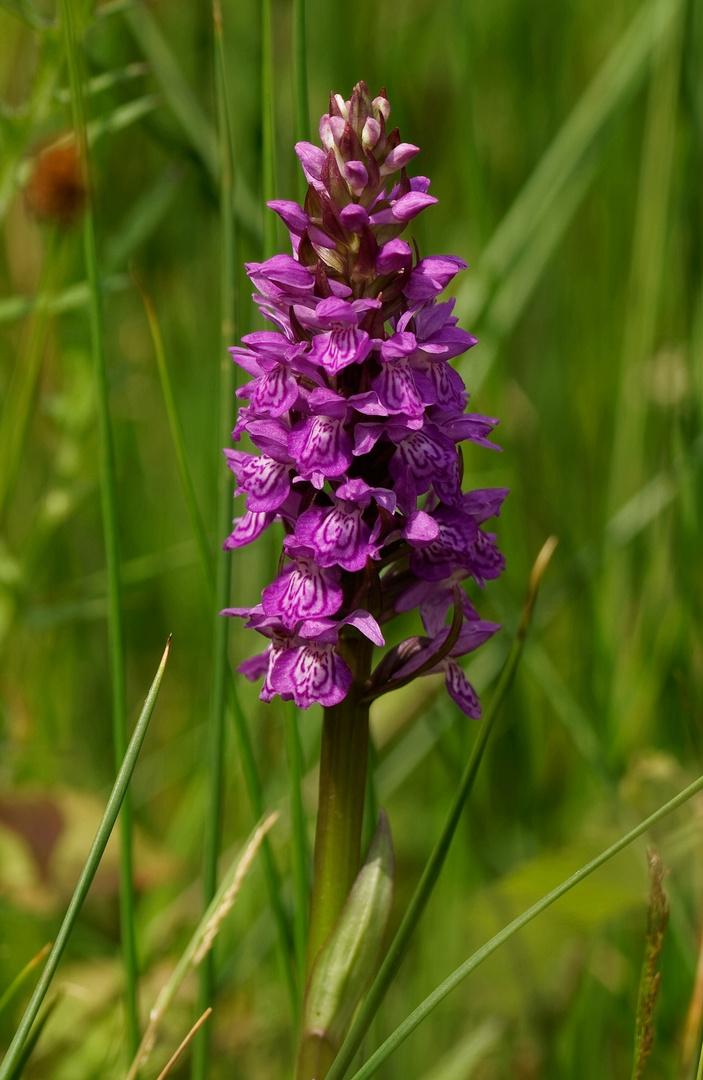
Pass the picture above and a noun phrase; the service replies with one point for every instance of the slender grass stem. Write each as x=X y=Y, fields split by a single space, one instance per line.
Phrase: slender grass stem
x=202 y=939
x=300 y=82
x=223 y=564
x=434 y=865
x=17 y=407
x=102 y=836
x=432 y=1000
x=267 y=128
x=111 y=540
x=246 y=753
x=254 y=788
x=299 y=840
x=20 y=979
x=196 y=518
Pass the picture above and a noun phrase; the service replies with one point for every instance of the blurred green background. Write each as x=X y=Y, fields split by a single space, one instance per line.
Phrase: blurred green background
x=565 y=145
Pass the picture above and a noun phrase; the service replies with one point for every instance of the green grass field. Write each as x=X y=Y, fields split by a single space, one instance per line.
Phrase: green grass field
x=565 y=145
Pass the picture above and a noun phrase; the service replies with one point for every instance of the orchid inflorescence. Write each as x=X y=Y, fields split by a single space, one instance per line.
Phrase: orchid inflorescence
x=358 y=414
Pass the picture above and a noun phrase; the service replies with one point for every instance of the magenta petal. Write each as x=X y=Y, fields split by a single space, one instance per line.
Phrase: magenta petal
x=357 y=176
x=461 y=691
x=256 y=666
x=312 y=673
x=338 y=535
x=393 y=256
x=409 y=206
x=291 y=214
x=421 y=529
x=321 y=445
x=312 y=158
x=366 y=623
x=353 y=217
x=399 y=157
x=339 y=348
x=302 y=591
x=266 y=482
x=275 y=393
x=247 y=528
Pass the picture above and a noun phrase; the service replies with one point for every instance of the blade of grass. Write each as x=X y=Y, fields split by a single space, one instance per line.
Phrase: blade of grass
x=223 y=562
x=464 y=970
x=560 y=171
x=105 y=81
x=246 y=752
x=144 y=217
x=34 y=1037
x=17 y=407
x=193 y=508
x=19 y=980
x=411 y=918
x=613 y=85
x=300 y=84
x=24 y=11
x=268 y=177
x=110 y=535
x=102 y=836
x=191 y=1034
x=300 y=853
x=70 y=299
x=627 y=465
x=203 y=936
x=647 y=266
x=184 y=105
x=187 y=109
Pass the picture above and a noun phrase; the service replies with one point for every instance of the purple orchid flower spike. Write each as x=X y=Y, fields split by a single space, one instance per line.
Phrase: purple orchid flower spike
x=357 y=417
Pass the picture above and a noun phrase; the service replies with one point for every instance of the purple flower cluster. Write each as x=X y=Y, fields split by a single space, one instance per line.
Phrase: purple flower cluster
x=357 y=414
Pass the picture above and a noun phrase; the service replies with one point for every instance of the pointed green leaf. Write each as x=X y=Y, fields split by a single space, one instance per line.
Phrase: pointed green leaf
x=348 y=959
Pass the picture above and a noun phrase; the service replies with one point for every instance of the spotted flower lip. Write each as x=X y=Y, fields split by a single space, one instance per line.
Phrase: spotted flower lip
x=357 y=417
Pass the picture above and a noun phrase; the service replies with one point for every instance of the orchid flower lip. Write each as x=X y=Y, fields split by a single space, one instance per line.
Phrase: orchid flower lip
x=356 y=417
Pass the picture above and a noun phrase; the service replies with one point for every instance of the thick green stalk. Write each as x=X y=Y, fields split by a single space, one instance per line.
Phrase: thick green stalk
x=119 y=790
x=112 y=557
x=413 y=914
x=299 y=840
x=223 y=565
x=342 y=792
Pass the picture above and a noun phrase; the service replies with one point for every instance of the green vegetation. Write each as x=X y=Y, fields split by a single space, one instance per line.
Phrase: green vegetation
x=565 y=144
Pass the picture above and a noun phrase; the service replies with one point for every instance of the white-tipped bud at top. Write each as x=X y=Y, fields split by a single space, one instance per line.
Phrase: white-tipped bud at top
x=371 y=133
x=381 y=107
x=343 y=105
x=326 y=137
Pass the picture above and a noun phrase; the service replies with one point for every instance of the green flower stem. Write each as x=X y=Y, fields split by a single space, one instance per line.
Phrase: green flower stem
x=112 y=556
x=299 y=839
x=119 y=790
x=422 y=1011
x=413 y=914
x=342 y=793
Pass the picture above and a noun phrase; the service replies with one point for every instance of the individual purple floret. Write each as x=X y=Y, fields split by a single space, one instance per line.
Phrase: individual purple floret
x=357 y=416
